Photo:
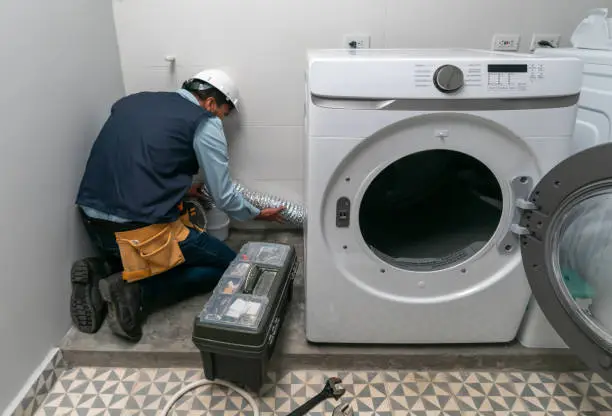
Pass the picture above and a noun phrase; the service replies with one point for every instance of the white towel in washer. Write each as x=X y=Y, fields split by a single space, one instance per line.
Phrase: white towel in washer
x=586 y=248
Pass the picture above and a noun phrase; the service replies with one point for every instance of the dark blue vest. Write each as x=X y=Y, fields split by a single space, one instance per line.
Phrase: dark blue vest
x=142 y=163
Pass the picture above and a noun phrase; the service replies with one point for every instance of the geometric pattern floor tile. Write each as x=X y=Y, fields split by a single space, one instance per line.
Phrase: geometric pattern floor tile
x=39 y=390
x=92 y=391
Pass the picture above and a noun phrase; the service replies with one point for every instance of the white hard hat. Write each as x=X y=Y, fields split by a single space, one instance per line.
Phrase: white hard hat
x=221 y=81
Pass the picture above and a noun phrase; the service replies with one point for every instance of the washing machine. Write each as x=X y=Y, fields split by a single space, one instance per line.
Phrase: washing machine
x=420 y=173
x=594 y=120
x=593 y=127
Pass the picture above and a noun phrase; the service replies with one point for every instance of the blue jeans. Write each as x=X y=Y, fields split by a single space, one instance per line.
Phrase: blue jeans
x=206 y=258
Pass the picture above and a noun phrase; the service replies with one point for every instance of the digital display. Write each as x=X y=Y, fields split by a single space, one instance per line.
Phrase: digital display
x=507 y=68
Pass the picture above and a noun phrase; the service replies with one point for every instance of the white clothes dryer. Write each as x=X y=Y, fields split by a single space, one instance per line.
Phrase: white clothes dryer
x=419 y=164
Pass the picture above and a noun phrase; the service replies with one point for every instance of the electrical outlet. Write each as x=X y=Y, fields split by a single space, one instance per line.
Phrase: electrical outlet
x=356 y=41
x=506 y=42
x=553 y=39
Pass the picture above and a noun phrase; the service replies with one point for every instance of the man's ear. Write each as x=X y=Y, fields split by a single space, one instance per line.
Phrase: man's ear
x=210 y=103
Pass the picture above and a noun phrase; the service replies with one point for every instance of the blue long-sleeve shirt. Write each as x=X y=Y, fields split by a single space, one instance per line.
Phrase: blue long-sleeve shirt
x=210 y=148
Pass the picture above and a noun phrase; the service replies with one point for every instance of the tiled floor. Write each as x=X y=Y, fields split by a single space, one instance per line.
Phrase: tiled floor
x=102 y=391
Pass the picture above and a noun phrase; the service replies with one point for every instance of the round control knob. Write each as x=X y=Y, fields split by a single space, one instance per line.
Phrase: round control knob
x=448 y=79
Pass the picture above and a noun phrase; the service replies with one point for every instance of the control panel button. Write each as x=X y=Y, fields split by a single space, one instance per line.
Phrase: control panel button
x=448 y=79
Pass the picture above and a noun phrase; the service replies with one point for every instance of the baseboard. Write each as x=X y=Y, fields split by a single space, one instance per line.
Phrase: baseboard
x=38 y=385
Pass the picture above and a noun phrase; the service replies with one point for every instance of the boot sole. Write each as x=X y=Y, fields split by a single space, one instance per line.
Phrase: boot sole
x=85 y=317
x=109 y=296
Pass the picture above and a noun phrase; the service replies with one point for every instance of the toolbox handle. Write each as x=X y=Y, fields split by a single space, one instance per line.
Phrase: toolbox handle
x=274 y=331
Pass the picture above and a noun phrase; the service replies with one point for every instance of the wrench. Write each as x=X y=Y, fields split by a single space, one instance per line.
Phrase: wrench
x=343 y=409
x=332 y=389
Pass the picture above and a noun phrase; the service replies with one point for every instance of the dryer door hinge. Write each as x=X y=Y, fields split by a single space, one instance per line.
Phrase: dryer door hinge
x=519 y=230
x=521 y=188
x=522 y=203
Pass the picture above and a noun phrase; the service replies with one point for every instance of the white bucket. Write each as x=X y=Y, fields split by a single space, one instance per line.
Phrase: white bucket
x=217 y=224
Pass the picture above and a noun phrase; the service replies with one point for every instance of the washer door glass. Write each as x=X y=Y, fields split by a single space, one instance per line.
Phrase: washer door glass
x=582 y=261
x=567 y=253
x=431 y=210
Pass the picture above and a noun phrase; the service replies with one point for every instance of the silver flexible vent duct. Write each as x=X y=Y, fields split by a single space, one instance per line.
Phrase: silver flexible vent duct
x=294 y=213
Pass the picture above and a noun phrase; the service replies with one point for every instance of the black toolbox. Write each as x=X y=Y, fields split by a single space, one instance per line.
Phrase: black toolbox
x=236 y=332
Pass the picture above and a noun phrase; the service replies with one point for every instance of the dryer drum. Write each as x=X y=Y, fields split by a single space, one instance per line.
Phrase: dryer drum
x=431 y=210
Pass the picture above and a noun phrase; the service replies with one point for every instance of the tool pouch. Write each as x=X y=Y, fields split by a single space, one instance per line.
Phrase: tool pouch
x=151 y=250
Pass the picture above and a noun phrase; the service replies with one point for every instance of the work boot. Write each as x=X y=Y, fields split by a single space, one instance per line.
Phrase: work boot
x=124 y=307
x=87 y=308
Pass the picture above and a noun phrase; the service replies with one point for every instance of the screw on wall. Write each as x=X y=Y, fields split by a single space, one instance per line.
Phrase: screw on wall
x=356 y=41
x=171 y=59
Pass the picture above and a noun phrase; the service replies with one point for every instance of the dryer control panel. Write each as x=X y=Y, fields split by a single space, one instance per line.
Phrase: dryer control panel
x=442 y=74
x=496 y=77
x=448 y=78
x=507 y=77
x=511 y=77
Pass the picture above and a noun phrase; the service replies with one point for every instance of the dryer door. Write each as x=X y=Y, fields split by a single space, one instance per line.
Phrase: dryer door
x=567 y=253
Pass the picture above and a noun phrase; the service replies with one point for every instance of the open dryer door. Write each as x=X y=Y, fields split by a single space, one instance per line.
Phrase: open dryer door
x=566 y=246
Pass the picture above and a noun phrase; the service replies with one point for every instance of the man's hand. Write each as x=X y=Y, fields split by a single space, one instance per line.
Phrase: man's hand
x=271 y=214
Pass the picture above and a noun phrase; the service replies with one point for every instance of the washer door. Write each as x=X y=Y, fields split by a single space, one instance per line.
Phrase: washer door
x=567 y=253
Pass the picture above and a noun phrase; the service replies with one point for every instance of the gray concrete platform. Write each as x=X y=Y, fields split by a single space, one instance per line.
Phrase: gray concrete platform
x=167 y=341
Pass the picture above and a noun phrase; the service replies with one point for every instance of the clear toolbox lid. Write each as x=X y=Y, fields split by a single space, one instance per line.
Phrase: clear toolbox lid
x=269 y=254
x=235 y=310
x=242 y=295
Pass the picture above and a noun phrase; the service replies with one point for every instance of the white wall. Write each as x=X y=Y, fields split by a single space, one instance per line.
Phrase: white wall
x=60 y=72
x=263 y=43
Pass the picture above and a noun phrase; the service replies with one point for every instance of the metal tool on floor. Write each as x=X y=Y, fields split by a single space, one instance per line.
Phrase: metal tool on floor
x=333 y=388
x=343 y=409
